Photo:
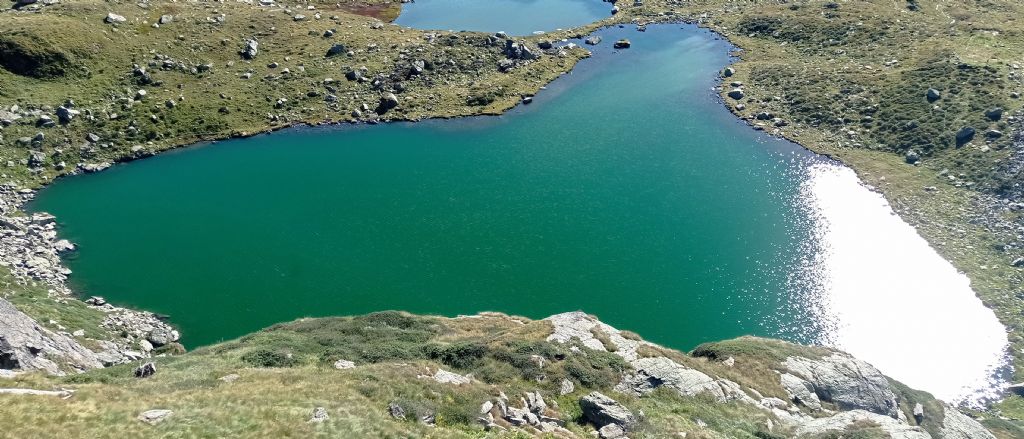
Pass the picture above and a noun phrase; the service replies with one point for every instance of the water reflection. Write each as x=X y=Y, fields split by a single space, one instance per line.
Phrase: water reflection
x=887 y=297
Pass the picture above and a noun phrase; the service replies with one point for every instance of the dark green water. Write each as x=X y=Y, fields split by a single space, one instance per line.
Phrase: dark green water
x=625 y=190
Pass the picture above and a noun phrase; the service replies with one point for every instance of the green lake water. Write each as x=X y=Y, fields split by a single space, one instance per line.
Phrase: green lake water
x=625 y=190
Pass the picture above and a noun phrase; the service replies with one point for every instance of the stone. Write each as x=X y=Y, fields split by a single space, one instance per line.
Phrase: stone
x=140 y=95
x=535 y=402
x=156 y=416
x=566 y=387
x=336 y=50
x=655 y=372
x=912 y=157
x=622 y=44
x=611 y=431
x=396 y=411
x=994 y=114
x=602 y=410
x=26 y=345
x=728 y=71
x=847 y=382
x=544 y=44
x=388 y=101
x=145 y=371
x=113 y=18
x=918 y=412
x=45 y=122
x=319 y=415
x=966 y=134
x=36 y=159
x=344 y=364
x=932 y=95
x=230 y=378
x=729 y=361
x=92 y=137
x=96 y=301
x=841 y=421
x=593 y=41
x=736 y=93
x=251 y=49
x=445 y=377
x=165 y=19
x=66 y=115
x=486 y=407
x=354 y=75
x=993 y=134
x=956 y=425
x=162 y=336
x=1019 y=262
x=800 y=391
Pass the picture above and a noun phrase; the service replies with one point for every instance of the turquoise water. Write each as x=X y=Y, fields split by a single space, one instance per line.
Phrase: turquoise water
x=624 y=190
x=516 y=17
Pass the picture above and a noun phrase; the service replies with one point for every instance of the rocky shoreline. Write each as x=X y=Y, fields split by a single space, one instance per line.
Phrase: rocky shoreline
x=31 y=250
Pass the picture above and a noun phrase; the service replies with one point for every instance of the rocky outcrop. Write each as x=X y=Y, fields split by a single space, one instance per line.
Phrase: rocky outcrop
x=956 y=425
x=652 y=373
x=845 y=381
x=843 y=420
x=25 y=345
x=602 y=410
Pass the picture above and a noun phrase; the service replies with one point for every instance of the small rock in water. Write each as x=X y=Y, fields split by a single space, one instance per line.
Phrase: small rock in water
x=622 y=44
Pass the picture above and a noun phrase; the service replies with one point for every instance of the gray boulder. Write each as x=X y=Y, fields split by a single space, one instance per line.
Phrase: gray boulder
x=593 y=41
x=113 y=18
x=847 y=382
x=251 y=49
x=966 y=134
x=912 y=157
x=843 y=420
x=994 y=114
x=319 y=415
x=602 y=410
x=25 y=345
x=933 y=95
x=145 y=371
x=154 y=416
x=162 y=336
x=736 y=93
x=956 y=425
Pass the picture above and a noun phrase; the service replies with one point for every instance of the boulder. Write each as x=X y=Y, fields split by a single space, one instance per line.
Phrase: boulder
x=1019 y=262
x=162 y=336
x=728 y=71
x=396 y=411
x=566 y=387
x=26 y=345
x=622 y=44
x=912 y=157
x=154 y=416
x=933 y=95
x=994 y=114
x=611 y=431
x=966 y=134
x=388 y=101
x=839 y=422
x=336 y=50
x=319 y=415
x=113 y=18
x=602 y=410
x=65 y=115
x=736 y=93
x=36 y=159
x=847 y=382
x=654 y=372
x=166 y=19
x=535 y=402
x=445 y=377
x=145 y=371
x=251 y=49
x=344 y=364
x=993 y=134
x=593 y=40
x=956 y=425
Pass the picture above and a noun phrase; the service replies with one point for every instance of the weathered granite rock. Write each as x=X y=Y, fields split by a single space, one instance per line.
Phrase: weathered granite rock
x=26 y=345
x=847 y=382
x=602 y=410
x=652 y=373
x=154 y=416
x=841 y=421
x=956 y=425
x=319 y=415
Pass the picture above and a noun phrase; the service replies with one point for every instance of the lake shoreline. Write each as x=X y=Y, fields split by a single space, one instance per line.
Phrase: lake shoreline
x=61 y=286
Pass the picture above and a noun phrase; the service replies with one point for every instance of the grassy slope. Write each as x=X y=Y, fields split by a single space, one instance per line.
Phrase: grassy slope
x=276 y=393
x=820 y=67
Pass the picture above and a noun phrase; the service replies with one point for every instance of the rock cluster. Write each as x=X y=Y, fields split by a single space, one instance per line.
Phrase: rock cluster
x=532 y=414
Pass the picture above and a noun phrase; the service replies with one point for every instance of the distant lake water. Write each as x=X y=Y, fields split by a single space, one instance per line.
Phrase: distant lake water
x=514 y=17
x=625 y=190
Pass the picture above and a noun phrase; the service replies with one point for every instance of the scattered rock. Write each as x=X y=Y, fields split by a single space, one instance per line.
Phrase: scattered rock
x=593 y=40
x=230 y=378
x=966 y=134
x=622 y=44
x=336 y=50
x=153 y=417
x=251 y=49
x=994 y=114
x=145 y=371
x=113 y=18
x=912 y=157
x=166 y=19
x=566 y=387
x=96 y=301
x=319 y=415
x=445 y=377
x=1019 y=262
x=611 y=431
x=344 y=364
x=728 y=71
x=736 y=93
x=162 y=336
x=396 y=411
x=932 y=95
